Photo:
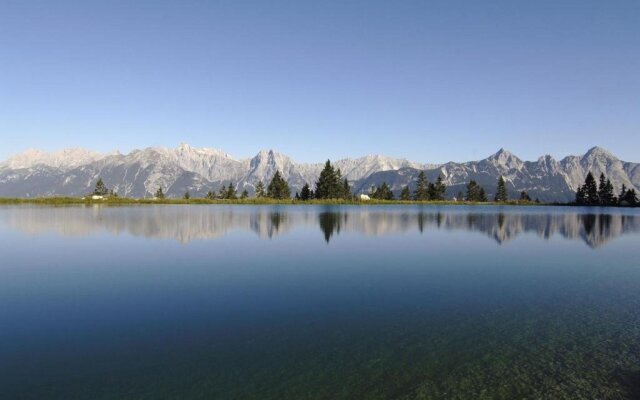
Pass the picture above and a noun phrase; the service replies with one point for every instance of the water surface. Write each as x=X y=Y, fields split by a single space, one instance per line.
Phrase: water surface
x=319 y=302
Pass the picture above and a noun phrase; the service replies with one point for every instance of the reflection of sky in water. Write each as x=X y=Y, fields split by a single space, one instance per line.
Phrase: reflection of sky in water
x=127 y=303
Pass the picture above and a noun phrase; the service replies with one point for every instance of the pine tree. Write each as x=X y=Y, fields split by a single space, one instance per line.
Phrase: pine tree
x=278 y=187
x=346 y=190
x=223 y=193
x=460 y=196
x=475 y=192
x=231 y=193
x=260 y=190
x=591 y=190
x=439 y=189
x=605 y=192
x=482 y=195
x=422 y=188
x=187 y=195
x=383 y=192
x=329 y=184
x=623 y=192
x=405 y=195
x=211 y=195
x=244 y=194
x=524 y=196
x=501 y=192
x=581 y=198
x=159 y=193
x=305 y=192
x=101 y=188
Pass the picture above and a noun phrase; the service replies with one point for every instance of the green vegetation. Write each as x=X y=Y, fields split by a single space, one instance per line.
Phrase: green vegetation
x=592 y=194
x=278 y=188
x=501 y=192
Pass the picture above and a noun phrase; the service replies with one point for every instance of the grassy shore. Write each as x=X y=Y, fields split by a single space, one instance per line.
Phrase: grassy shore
x=60 y=201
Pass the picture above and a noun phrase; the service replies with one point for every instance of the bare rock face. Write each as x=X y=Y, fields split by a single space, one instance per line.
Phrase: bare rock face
x=73 y=172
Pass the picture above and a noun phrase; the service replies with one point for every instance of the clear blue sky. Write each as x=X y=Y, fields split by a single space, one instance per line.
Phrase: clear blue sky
x=432 y=81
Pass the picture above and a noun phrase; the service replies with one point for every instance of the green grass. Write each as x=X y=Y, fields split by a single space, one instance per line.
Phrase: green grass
x=59 y=201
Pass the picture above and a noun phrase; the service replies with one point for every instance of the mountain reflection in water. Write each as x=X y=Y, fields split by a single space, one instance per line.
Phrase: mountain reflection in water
x=186 y=223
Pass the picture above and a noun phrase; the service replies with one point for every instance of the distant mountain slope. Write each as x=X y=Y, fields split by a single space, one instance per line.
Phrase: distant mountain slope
x=73 y=172
x=546 y=178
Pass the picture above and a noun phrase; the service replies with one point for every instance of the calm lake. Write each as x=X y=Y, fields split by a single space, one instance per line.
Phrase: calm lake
x=319 y=302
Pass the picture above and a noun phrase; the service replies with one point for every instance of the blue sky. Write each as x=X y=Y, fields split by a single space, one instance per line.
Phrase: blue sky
x=431 y=81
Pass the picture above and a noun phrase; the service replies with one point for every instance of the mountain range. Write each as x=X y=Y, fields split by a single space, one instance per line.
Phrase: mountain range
x=73 y=172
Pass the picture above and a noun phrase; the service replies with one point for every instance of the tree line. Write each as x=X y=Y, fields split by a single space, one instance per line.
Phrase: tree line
x=593 y=194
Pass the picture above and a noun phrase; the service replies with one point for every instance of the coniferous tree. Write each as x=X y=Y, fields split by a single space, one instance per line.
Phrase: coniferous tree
x=346 y=190
x=482 y=195
x=159 y=193
x=439 y=189
x=581 y=198
x=223 y=193
x=405 y=195
x=630 y=198
x=524 y=196
x=244 y=194
x=187 y=195
x=260 y=190
x=383 y=192
x=591 y=190
x=278 y=187
x=231 y=193
x=305 y=192
x=211 y=195
x=605 y=192
x=460 y=196
x=623 y=192
x=329 y=184
x=101 y=188
x=474 y=191
x=422 y=188
x=501 y=192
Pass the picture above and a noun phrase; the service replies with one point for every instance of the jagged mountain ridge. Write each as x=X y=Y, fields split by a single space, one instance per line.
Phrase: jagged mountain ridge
x=73 y=172
x=547 y=179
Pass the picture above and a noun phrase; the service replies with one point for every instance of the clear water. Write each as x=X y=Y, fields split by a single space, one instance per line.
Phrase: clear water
x=317 y=302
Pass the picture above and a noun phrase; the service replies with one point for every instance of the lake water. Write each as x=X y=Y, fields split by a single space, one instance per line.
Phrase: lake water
x=319 y=302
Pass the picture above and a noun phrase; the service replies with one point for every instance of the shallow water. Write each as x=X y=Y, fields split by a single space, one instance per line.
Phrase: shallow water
x=319 y=302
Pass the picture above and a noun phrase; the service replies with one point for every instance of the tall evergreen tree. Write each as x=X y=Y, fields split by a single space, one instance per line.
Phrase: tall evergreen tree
x=383 y=192
x=187 y=195
x=159 y=193
x=231 y=193
x=211 y=195
x=591 y=190
x=501 y=192
x=278 y=187
x=405 y=195
x=260 y=190
x=482 y=195
x=605 y=191
x=422 y=188
x=581 y=197
x=101 y=188
x=524 y=196
x=223 y=193
x=244 y=194
x=329 y=184
x=305 y=192
x=346 y=189
x=623 y=192
x=439 y=189
x=460 y=196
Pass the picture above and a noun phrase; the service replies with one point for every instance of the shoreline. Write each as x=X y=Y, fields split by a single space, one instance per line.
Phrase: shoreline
x=262 y=201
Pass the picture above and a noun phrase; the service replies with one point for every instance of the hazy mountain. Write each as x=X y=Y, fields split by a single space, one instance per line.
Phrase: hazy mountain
x=74 y=172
